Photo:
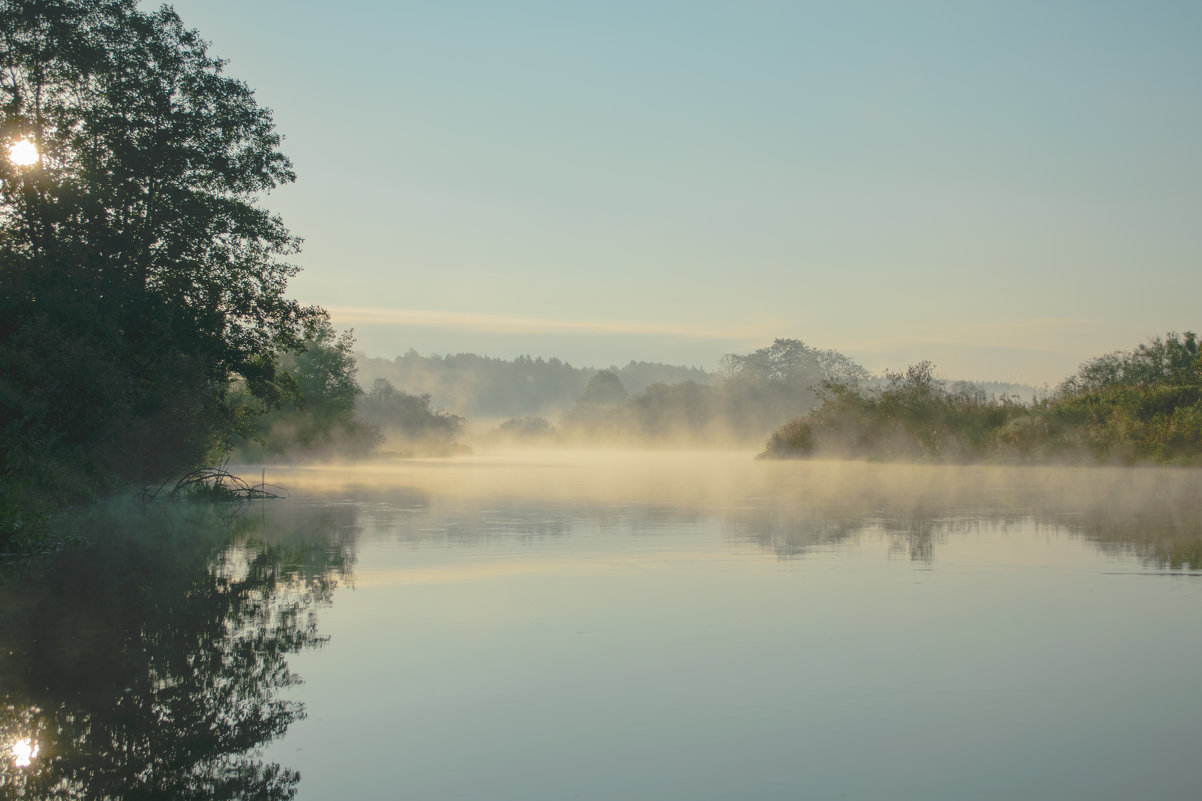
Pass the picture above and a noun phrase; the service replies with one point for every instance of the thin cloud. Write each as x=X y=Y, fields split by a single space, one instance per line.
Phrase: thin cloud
x=1046 y=334
x=504 y=324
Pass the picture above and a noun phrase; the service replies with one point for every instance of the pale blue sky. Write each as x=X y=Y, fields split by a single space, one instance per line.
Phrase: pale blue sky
x=1005 y=188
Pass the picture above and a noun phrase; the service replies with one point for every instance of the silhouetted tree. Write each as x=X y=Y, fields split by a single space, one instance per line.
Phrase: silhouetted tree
x=320 y=419
x=604 y=389
x=409 y=418
x=792 y=362
x=763 y=389
x=138 y=273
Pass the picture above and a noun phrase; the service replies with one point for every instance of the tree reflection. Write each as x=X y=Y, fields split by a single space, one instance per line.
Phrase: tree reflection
x=1152 y=514
x=150 y=665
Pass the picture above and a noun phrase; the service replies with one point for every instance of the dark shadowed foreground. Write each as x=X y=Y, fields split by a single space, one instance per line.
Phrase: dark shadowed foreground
x=612 y=626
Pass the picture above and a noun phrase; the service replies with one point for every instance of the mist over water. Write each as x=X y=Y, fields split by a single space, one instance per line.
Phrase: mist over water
x=645 y=621
x=1153 y=511
x=605 y=624
x=700 y=625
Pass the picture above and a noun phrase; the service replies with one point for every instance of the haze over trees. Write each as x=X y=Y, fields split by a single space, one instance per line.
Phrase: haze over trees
x=145 y=328
x=1129 y=406
x=319 y=419
x=329 y=416
x=548 y=401
x=741 y=404
x=409 y=424
x=484 y=387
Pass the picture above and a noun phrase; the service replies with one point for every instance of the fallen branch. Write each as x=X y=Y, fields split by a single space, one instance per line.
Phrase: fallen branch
x=213 y=484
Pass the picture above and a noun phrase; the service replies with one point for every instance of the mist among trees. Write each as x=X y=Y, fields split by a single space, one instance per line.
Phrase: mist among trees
x=749 y=396
x=330 y=416
x=547 y=401
x=145 y=327
x=484 y=387
x=1141 y=405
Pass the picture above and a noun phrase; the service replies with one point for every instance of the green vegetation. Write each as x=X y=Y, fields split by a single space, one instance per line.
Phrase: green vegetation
x=1143 y=405
x=409 y=423
x=751 y=395
x=318 y=416
x=145 y=331
x=143 y=318
x=639 y=404
x=329 y=416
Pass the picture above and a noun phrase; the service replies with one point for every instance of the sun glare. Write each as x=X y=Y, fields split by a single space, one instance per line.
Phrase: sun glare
x=23 y=153
x=23 y=752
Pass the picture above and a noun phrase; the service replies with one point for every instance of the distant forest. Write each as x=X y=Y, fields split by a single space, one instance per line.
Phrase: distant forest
x=541 y=401
x=486 y=388
x=425 y=406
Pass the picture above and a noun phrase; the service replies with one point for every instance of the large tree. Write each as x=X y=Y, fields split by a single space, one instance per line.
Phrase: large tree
x=139 y=274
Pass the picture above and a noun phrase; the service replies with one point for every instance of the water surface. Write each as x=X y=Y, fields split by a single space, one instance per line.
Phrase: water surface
x=606 y=626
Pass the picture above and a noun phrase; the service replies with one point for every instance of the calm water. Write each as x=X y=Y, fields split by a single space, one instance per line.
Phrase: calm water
x=619 y=626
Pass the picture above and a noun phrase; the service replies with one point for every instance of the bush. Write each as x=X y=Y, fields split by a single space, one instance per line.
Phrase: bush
x=1127 y=407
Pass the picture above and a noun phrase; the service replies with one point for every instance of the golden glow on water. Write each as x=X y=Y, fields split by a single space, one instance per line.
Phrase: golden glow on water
x=23 y=752
x=535 y=618
x=733 y=480
x=23 y=153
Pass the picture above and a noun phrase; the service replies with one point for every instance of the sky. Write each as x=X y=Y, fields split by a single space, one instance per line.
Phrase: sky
x=1004 y=188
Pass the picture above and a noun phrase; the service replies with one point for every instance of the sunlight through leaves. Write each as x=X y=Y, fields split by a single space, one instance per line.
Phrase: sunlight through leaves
x=24 y=752
x=23 y=153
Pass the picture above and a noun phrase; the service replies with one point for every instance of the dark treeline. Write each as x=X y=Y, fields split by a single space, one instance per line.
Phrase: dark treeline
x=1143 y=405
x=144 y=326
x=551 y=402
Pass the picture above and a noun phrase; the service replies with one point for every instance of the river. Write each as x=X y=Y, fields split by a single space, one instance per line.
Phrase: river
x=605 y=625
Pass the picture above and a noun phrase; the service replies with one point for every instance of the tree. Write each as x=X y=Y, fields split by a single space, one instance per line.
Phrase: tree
x=139 y=275
x=1175 y=359
x=319 y=418
x=764 y=389
x=411 y=420
x=791 y=361
x=604 y=389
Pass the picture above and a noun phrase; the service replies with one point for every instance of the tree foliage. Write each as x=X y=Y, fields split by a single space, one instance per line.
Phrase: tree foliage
x=139 y=274
x=792 y=362
x=1128 y=406
x=410 y=421
x=317 y=416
